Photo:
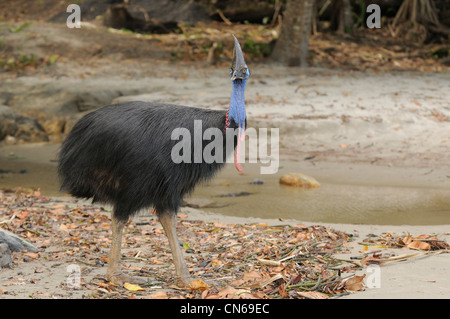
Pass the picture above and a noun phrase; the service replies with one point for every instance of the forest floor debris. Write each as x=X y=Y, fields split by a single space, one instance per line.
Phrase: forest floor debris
x=230 y=260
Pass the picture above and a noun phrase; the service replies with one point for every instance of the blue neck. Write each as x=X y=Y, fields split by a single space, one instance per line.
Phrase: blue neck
x=237 y=103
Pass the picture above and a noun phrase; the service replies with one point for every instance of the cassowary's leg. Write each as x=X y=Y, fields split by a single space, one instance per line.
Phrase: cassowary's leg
x=168 y=221
x=113 y=273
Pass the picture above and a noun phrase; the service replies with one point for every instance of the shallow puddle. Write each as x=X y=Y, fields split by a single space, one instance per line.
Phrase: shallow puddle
x=348 y=194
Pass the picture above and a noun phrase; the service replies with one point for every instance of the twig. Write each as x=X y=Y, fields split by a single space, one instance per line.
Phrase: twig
x=276 y=12
x=87 y=263
x=9 y=220
x=267 y=262
x=222 y=16
x=384 y=261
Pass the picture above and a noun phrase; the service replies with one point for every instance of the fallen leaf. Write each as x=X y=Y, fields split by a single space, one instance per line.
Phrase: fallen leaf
x=32 y=255
x=132 y=287
x=57 y=211
x=23 y=215
x=252 y=276
x=405 y=240
x=419 y=245
x=227 y=292
x=216 y=262
x=246 y=295
x=158 y=295
x=198 y=284
x=312 y=295
x=355 y=283
x=379 y=246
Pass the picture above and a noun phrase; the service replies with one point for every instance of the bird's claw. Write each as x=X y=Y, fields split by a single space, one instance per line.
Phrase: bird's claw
x=120 y=279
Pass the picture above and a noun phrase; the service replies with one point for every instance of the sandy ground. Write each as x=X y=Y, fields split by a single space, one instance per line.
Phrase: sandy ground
x=423 y=277
x=385 y=121
x=417 y=278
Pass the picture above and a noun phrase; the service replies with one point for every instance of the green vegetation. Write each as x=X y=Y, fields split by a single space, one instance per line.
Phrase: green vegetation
x=20 y=27
x=18 y=63
x=258 y=50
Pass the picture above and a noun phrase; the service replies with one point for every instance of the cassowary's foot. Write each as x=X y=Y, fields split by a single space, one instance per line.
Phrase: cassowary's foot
x=120 y=279
x=185 y=281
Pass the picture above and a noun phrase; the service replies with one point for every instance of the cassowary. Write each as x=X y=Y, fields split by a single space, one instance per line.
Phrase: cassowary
x=121 y=155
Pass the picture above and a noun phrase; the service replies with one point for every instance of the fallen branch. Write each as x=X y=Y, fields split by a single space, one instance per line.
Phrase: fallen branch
x=384 y=261
x=223 y=17
x=16 y=243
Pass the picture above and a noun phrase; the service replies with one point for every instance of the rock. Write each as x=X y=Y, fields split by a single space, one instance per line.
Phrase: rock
x=299 y=180
x=17 y=126
x=16 y=243
x=10 y=140
x=54 y=126
x=120 y=17
x=5 y=256
x=160 y=16
x=65 y=97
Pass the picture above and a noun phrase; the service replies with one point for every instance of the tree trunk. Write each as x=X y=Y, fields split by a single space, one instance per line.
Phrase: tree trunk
x=421 y=11
x=341 y=19
x=291 y=48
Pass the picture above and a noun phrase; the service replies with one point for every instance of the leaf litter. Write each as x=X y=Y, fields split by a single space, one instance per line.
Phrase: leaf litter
x=228 y=261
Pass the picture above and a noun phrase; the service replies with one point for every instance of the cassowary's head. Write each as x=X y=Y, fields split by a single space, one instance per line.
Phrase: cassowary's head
x=239 y=70
x=239 y=74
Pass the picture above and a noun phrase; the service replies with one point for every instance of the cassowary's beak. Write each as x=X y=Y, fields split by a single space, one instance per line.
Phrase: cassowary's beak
x=238 y=66
x=239 y=72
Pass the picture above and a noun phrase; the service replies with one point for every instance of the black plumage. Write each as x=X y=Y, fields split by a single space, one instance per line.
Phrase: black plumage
x=121 y=154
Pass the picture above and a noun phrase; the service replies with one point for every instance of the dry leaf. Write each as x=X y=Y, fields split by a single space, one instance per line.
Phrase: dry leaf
x=57 y=211
x=158 y=295
x=23 y=215
x=419 y=245
x=198 y=284
x=312 y=295
x=227 y=292
x=355 y=283
x=252 y=276
x=246 y=295
x=132 y=287
x=216 y=262
x=32 y=255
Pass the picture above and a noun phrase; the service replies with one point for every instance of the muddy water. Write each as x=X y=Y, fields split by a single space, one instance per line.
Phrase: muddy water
x=349 y=193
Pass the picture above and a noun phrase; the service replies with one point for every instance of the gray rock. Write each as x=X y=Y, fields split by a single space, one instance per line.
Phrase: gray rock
x=65 y=96
x=20 y=126
x=5 y=256
x=16 y=243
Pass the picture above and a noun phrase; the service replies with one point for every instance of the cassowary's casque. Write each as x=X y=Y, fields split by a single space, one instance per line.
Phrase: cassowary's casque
x=121 y=154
